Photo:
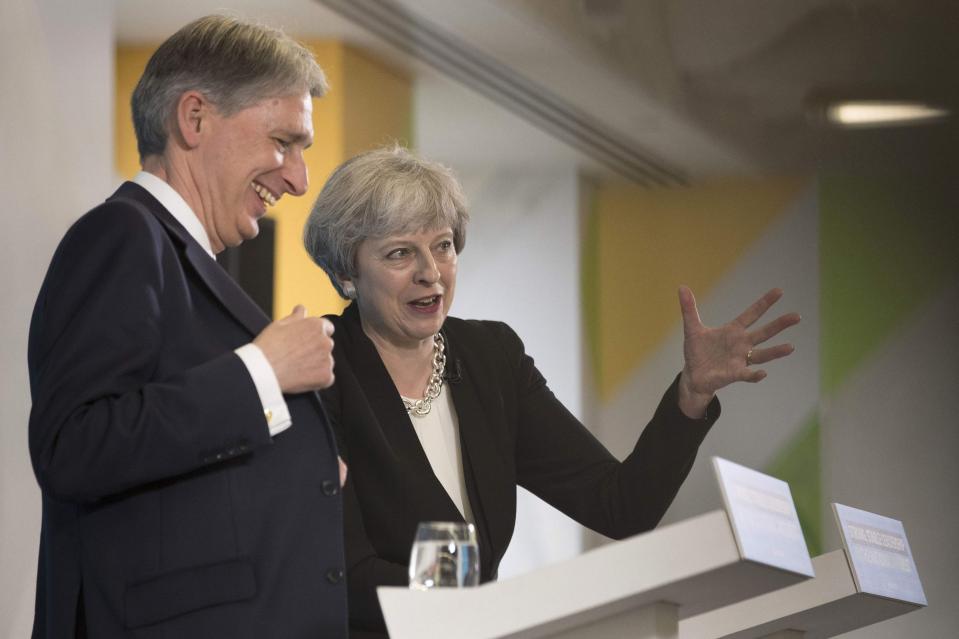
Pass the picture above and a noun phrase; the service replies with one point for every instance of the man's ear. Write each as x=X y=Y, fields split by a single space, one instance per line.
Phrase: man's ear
x=193 y=111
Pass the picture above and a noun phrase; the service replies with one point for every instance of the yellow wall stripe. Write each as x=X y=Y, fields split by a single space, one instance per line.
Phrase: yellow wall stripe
x=651 y=241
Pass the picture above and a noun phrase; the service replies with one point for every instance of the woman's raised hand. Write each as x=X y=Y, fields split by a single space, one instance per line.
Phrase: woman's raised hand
x=717 y=357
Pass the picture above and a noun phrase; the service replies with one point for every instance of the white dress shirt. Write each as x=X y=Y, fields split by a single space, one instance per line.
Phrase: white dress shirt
x=439 y=434
x=275 y=410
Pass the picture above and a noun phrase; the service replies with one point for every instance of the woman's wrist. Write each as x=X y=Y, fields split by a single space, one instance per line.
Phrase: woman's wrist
x=693 y=404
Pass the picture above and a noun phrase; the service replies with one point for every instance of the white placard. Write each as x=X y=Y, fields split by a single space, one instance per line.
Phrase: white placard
x=879 y=552
x=763 y=517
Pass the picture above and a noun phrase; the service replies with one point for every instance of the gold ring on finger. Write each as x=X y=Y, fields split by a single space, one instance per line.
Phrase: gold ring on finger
x=749 y=357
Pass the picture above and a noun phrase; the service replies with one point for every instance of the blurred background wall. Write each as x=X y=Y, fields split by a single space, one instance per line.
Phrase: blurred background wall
x=671 y=143
x=56 y=148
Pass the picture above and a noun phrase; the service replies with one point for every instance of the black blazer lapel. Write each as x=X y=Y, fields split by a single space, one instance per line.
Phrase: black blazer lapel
x=387 y=406
x=236 y=302
x=491 y=485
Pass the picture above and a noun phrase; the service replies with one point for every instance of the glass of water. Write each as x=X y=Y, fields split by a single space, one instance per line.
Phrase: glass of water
x=444 y=555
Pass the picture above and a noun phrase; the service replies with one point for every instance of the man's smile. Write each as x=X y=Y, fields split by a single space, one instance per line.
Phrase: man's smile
x=265 y=194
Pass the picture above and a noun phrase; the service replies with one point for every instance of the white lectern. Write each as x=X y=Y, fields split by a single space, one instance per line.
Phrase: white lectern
x=873 y=578
x=826 y=606
x=637 y=588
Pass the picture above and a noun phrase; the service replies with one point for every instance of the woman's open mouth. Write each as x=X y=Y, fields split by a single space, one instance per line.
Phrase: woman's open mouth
x=428 y=304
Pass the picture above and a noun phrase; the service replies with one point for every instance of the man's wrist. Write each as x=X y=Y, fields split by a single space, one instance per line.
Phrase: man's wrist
x=275 y=411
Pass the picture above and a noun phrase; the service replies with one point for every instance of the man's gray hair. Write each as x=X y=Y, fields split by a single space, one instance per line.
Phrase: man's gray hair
x=376 y=194
x=233 y=63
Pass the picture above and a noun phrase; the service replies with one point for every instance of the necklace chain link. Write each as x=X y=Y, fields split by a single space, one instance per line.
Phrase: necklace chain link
x=434 y=386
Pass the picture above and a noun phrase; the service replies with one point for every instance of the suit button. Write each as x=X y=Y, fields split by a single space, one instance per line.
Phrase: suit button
x=334 y=575
x=330 y=488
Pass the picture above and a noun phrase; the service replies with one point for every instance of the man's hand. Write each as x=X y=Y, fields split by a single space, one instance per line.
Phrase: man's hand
x=300 y=350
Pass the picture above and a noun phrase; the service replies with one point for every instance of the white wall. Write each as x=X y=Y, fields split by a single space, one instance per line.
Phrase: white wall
x=56 y=131
x=521 y=264
x=889 y=446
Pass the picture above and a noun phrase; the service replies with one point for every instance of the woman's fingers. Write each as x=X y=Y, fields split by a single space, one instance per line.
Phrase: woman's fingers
x=773 y=328
x=757 y=308
x=687 y=306
x=763 y=355
x=752 y=375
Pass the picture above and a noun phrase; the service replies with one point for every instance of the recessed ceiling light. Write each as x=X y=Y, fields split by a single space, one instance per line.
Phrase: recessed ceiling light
x=875 y=113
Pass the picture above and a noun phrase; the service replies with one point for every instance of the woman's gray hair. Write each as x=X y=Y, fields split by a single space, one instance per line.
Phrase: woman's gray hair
x=233 y=63
x=376 y=194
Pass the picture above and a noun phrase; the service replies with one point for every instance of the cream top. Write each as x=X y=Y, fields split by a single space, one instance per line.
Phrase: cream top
x=439 y=434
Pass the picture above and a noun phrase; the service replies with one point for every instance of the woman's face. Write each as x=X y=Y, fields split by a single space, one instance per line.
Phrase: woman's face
x=405 y=283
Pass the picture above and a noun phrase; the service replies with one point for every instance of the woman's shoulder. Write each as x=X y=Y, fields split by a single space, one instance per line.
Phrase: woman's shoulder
x=482 y=333
x=346 y=321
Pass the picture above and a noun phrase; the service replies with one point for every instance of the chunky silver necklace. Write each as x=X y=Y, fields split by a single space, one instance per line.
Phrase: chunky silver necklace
x=421 y=407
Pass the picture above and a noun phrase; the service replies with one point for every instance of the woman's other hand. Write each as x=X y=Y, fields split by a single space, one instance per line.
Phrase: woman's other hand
x=717 y=357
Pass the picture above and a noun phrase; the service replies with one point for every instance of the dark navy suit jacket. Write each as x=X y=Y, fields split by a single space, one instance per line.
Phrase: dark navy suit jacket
x=168 y=510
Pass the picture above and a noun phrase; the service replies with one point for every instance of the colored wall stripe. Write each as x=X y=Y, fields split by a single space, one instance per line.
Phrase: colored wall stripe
x=799 y=464
x=589 y=287
x=886 y=245
x=368 y=104
x=130 y=62
x=648 y=242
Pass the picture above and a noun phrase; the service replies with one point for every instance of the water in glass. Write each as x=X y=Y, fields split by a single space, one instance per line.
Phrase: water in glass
x=444 y=555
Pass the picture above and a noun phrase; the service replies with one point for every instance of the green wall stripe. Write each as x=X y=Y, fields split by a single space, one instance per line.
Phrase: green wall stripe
x=886 y=244
x=799 y=464
x=589 y=288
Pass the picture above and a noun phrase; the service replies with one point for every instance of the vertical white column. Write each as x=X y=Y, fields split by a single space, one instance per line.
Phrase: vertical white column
x=56 y=127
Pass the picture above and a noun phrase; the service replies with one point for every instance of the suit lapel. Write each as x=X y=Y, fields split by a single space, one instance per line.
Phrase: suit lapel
x=223 y=287
x=491 y=489
x=236 y=301
x=388 y=409
x=490 y=485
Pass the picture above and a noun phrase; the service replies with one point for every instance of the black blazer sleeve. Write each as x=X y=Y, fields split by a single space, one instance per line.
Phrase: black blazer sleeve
x=561 y=462
x=102 y=421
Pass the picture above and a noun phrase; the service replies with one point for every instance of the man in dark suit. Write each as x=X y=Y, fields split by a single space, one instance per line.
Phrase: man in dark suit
x=191 y=484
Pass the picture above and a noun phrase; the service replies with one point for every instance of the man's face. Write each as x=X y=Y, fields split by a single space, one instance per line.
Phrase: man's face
x=249 y=160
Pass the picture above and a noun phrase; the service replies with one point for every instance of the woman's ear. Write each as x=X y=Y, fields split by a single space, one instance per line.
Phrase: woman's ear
x=347 y=286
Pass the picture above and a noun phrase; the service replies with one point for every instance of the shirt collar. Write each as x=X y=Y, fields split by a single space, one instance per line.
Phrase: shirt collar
x=177 y=206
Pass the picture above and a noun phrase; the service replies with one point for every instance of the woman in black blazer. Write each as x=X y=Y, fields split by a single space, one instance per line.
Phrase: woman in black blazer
x=440 y=418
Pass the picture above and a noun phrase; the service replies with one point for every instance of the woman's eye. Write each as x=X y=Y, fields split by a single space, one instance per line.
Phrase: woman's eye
x=283 y=145
x=398 y=253
x=446 y=245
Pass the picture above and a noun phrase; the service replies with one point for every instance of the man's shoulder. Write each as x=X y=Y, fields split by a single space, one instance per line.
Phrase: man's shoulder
x=117 y=217
x=122 y=211
x=116 y=234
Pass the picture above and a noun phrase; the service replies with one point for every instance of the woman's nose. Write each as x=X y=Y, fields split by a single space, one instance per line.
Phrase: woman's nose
x=427 y=273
